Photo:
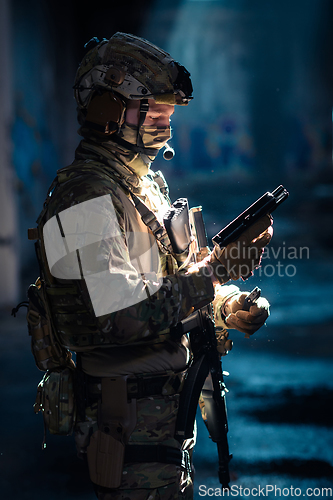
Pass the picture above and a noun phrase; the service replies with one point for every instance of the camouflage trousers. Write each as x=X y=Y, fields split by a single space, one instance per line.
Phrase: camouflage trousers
x=156 y=418
x=174 y=491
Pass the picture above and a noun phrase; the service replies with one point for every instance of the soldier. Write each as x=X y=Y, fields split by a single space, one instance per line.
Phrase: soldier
x=113 y=286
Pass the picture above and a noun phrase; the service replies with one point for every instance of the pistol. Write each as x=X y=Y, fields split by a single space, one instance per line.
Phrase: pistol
x=266 y=204
x=251 y=298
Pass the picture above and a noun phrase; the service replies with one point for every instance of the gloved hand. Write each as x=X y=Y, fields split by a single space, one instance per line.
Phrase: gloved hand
x=224 y=344
x=240 y=258
x=247 y=322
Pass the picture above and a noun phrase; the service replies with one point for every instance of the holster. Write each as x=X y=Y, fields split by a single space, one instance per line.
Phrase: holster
x=117 y=420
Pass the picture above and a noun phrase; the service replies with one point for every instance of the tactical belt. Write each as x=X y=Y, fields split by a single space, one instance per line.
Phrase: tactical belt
x=137 y=387
x=158 y=453
x=143 y=387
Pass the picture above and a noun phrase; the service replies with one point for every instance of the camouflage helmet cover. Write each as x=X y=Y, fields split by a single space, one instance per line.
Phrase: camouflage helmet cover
x=135 y=69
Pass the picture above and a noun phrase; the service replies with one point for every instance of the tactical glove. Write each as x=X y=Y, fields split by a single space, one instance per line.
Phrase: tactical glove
x=240 y=258
x=247 y=322
x=224 y=344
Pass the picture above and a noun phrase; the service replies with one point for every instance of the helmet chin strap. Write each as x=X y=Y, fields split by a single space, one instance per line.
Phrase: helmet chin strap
x=144 y=107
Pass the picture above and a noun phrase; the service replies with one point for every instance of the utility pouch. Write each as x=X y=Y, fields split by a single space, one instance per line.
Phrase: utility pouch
x=46 y=349
x=55 y=399
x=117 y=420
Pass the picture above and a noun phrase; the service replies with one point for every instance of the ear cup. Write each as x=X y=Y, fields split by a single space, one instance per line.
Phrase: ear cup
x=105 y=113
x=115 y=76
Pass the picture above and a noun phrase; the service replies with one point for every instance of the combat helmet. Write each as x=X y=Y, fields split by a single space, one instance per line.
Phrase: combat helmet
x=123 y=68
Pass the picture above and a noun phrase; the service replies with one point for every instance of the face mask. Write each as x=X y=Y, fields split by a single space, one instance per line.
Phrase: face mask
x=155 y=137
x=152 y=137
x=128 y=133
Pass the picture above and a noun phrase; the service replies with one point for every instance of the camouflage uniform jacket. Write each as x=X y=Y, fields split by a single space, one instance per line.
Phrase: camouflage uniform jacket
x=98 y=272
